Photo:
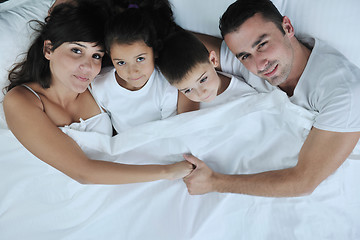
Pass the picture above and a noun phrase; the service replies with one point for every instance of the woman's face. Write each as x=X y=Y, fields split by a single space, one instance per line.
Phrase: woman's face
x=74 y=64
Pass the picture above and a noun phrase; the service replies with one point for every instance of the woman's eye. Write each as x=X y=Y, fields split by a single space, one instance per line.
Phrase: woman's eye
x=120 y=63
x=97 y=56
x=203 y=80
x=76 y=50
x=140 y=59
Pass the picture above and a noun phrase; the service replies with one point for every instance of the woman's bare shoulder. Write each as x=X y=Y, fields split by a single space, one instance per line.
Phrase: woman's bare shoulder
x=20 y=97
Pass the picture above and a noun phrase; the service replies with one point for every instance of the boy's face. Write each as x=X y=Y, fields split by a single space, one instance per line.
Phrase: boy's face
x=201 y=84
x=134 y=64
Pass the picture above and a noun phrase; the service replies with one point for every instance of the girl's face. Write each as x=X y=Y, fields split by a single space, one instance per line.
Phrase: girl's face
x=202 y=83
x=74 y=64
x=134 y=64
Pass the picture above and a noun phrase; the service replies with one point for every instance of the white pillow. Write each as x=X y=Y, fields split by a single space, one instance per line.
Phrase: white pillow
x=16 y=34
x=333 y=21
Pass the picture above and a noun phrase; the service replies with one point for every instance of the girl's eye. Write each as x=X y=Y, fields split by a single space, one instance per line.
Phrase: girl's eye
x=187 y=91
x=76 y=50
x=203 y=80
x=140 y=59
x=120 y=63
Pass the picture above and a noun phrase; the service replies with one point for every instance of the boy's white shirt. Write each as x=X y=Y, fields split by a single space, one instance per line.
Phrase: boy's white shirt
x=237 y=88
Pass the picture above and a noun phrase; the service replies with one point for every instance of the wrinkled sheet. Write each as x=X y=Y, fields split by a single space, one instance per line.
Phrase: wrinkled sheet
x=251 y=134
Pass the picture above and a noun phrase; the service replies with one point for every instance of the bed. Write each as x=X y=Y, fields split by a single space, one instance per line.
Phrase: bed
x=249 y=134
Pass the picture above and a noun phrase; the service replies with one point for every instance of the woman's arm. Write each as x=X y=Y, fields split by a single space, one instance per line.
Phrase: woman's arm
x=32 y=127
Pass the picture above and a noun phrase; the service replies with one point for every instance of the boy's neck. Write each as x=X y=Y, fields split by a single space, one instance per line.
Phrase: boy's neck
x=224 y=83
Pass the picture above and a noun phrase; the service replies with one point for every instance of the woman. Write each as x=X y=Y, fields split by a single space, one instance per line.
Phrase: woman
x=49 y=90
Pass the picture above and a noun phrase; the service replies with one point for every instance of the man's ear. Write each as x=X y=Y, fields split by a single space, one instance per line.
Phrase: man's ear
x=47 y=49
x=288 y=27
x=213 y=59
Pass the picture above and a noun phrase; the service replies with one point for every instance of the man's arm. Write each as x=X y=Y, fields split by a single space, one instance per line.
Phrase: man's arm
x=322 y=153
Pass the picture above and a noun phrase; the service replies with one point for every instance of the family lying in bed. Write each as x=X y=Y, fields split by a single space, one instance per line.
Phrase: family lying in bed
x=160 y=70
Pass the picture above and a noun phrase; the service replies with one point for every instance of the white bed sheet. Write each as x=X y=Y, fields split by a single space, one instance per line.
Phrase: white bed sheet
x=39 y=202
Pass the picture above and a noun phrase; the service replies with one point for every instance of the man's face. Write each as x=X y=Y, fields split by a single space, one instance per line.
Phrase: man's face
x=263 y=49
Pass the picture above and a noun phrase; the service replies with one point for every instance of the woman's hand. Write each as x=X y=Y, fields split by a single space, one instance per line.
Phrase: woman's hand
x=179 y=170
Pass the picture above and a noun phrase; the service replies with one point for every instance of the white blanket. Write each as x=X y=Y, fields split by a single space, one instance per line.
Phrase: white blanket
x=251 y=134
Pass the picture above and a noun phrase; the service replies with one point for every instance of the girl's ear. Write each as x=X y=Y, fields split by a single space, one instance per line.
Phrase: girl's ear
x=213 y=59
x=47 y=49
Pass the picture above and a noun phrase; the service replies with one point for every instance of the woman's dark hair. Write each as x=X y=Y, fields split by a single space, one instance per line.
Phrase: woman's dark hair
x=143 y=20
x=241 y=10
x=182 y=51
x=81 y=21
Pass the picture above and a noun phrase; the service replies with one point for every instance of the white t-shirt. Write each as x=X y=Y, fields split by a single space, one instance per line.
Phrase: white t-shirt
x=237 y=88
x=329 y=86
x=156 y=100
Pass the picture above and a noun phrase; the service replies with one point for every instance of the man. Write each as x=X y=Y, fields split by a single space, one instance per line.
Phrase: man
x=319 y=79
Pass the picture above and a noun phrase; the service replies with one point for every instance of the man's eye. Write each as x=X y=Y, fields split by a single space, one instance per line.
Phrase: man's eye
x=203 y=80
x=140 y=59
x=245 y=56
x=262 y=44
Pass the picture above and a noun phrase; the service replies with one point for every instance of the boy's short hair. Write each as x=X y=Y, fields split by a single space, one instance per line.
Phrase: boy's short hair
x=181 y=52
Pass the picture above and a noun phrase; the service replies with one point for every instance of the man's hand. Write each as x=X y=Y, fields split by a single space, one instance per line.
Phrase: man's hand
x=201 y=179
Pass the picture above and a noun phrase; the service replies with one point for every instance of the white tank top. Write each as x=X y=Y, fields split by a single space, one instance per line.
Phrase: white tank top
x=100 y=123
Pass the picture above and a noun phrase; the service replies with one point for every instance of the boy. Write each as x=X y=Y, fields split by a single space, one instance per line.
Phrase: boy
x=190 y=67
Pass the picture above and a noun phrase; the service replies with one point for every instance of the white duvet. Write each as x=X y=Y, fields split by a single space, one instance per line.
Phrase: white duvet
x=254 y=133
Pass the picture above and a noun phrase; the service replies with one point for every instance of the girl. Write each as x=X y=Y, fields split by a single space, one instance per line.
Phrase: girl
x=49 y=91
x=133 y=91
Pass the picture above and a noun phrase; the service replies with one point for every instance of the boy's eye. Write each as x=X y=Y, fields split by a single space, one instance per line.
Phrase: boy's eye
x=203 y=80
x=187 y=91
x=76 y=50
x=140 y=59
x=120 y=63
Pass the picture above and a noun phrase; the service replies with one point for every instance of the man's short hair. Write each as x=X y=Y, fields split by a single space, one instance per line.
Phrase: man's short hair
x=241 y=10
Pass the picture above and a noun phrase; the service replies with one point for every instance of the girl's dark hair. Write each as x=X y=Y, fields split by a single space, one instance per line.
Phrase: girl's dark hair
x=143 y=20
x=81 y=21
x=182 y=52
x=241 y=10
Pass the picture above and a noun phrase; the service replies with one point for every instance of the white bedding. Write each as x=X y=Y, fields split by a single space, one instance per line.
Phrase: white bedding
x=39 y=202
x=254 y=133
